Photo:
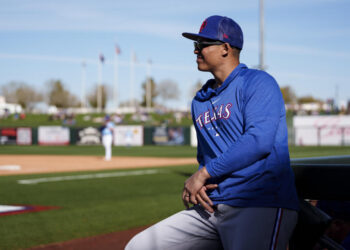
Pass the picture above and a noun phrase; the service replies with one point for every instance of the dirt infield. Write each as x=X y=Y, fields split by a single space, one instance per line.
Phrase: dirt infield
x=31 y=164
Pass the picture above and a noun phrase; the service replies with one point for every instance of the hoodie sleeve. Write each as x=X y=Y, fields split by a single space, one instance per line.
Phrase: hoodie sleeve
x=262 y=108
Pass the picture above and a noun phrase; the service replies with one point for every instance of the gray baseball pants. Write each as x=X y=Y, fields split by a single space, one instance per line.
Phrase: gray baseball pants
x=254 y=228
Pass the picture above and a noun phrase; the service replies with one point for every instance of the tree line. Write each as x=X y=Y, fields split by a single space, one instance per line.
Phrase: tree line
x=290 y=97
x=56 y=93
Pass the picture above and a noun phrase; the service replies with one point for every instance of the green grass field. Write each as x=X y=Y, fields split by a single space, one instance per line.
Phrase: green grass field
x=157 y=151
x=88 y=207
x=97 y=206
x=85 y=120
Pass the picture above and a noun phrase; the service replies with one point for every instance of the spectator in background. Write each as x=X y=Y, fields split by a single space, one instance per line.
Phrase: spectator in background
x=6 y=113
x=22 y=116
x=117 y=118
x=107 y=137
x=69 y=119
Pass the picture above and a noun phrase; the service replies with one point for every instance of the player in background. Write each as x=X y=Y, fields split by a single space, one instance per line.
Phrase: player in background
x=107 y=137
x=243 y=193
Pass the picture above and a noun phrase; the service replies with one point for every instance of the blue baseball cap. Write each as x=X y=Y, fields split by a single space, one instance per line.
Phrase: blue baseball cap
x=219 y=28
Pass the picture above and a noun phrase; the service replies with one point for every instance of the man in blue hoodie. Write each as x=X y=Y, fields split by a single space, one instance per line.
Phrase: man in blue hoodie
x=243 y=193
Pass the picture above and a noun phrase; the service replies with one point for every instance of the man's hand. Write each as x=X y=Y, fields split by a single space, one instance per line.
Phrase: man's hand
x=195 y=191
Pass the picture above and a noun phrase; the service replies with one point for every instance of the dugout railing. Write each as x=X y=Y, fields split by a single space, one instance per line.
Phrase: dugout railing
x=322 y=178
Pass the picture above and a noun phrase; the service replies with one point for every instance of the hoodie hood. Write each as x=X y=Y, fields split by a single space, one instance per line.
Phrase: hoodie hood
x=207 y=91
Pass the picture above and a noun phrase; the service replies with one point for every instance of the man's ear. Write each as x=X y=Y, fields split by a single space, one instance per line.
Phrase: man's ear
x=226 y=49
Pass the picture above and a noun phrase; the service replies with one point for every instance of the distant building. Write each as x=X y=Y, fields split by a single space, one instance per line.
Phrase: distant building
x=43 y=108
x=9 y=108
x=311 y=107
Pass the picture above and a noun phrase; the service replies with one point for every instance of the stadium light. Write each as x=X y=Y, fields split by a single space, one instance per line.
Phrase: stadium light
x=261 y=35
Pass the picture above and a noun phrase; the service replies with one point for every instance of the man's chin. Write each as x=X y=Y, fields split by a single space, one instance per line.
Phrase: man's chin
x=201 y=68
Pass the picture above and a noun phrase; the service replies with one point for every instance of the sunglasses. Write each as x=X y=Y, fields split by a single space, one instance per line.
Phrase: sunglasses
x=203 y=44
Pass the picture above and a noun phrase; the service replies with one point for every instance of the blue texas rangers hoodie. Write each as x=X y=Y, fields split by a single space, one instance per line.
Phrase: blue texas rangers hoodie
x=243 y=140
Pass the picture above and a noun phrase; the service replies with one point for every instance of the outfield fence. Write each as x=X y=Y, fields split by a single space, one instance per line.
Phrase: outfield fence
x=303 y=131
x=124 y=135
x=321 y=130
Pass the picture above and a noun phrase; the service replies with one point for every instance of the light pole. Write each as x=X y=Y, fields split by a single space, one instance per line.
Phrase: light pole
x=132 y=78
x=261 y=35
x=99 y=84
x=115 y=91
x=149 y=86
x=83 y=84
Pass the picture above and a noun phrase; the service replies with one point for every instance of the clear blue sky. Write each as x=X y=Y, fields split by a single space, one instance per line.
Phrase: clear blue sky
x=307 y=43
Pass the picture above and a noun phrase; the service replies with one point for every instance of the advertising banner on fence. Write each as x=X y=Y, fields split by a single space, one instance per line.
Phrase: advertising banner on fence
x=89 y=136
x=168 y=136
x=322 y=130
x=8 y=135
x=128 y=136
x=53 y=135
x=24 y=136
